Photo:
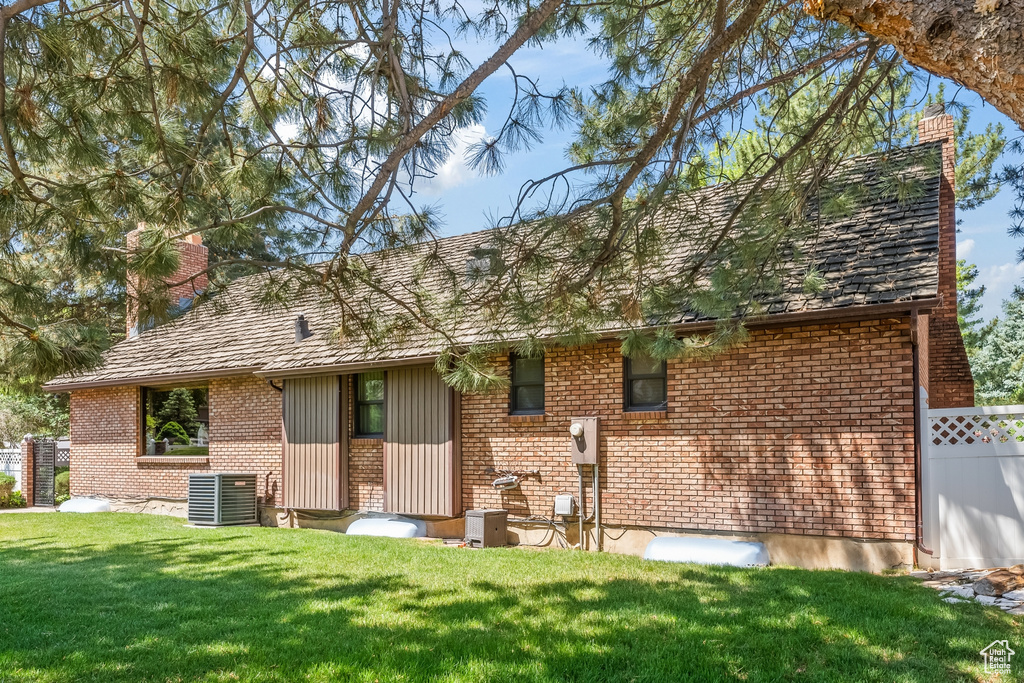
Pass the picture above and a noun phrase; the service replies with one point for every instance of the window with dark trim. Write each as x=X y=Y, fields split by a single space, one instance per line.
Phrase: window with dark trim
x=369 y=406
x=646 y=384
x=527 y=392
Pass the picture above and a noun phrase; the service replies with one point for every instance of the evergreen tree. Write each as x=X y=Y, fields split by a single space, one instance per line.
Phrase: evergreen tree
x=968 y=308
x=179 y=407
x=999 y=363
x=293 y=136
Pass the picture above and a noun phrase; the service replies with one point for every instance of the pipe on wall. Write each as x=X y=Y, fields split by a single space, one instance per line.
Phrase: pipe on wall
x=582 y=504
x=920 y=416
x=597 y=505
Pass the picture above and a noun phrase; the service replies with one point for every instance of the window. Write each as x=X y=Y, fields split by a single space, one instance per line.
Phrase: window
x=370 y=404
x=646 y=384
x=176 y=421
x=527 y=396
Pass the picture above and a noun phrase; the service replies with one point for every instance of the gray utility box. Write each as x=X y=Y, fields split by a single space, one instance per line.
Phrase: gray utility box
x=486 y=528
x=585 y=446
x=222 y=499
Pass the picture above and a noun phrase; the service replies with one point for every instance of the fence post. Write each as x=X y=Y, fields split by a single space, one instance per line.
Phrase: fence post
x=28 y=469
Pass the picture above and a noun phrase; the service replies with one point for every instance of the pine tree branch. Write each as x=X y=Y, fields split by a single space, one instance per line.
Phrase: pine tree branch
x=368 y=206
x=236 y=77
x=837 y=105
x=702 y=65
x=151 y=81
x=6 y=14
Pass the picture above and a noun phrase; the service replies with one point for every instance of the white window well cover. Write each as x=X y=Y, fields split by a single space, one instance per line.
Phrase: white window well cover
x=391 y=528
x=85 y=505
x=707 y=551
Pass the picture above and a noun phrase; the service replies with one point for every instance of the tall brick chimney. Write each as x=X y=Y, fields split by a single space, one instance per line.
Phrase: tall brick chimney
x=193 y=259
x=949 y=373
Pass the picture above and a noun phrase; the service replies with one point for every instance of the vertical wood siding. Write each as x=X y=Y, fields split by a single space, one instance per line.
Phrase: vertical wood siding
x=313 y=473
x=418 y=455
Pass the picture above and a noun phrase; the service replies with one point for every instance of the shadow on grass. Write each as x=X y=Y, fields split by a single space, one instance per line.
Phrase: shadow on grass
x=272 y=605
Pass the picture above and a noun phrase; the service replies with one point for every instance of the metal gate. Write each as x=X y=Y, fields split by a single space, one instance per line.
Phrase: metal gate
x=44 y=455
x=974 y=486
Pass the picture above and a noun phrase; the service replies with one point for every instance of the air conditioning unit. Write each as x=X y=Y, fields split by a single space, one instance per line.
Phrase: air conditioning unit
x=222 y=499
x=486 y=528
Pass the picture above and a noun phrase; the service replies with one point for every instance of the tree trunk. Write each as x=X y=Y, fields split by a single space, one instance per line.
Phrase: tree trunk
x=977 y=43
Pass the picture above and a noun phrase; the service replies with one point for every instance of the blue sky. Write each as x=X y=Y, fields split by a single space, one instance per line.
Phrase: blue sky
x=467 y=199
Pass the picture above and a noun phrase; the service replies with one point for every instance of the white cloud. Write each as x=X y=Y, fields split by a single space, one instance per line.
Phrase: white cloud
x=455 y=171
x=964 y=248
x=999 y=281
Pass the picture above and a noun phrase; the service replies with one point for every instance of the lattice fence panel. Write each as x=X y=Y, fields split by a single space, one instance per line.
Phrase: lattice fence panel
x=969 y=429
x=10 y=463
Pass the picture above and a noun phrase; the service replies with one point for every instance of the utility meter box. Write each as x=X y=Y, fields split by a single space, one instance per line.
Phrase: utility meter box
x=583 y=435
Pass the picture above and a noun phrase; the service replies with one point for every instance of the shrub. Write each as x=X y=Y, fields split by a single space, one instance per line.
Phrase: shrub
x=7 y=483
x=9 y=498
x=62 y=485
x=174 y=432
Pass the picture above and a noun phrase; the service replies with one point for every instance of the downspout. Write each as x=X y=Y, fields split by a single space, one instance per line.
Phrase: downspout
x=918 y=446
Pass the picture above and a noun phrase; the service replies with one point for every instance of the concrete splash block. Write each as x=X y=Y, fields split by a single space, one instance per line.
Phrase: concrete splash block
x=396 y=527
x=707 y=551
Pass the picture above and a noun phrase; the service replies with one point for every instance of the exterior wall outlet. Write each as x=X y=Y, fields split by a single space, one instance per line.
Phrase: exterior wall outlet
x=565 y=505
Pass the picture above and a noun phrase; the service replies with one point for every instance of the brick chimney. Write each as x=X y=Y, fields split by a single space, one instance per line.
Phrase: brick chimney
x=193 y=259
x=949 y=373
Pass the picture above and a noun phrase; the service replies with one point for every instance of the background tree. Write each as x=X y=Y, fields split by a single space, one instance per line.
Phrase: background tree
x=35 y=413
x=179 y=406
x=294 y=134
x=968 y=309
x=999 y=364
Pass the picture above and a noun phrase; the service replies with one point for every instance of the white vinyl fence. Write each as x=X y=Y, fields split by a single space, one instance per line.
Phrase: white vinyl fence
x=973 y=486
x=10 y=463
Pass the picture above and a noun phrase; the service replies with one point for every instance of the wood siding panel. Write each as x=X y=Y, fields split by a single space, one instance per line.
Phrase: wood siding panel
x=419 y=457
x=314 y=478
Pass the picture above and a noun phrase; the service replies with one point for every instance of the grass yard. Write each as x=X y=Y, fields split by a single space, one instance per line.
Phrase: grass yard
x=121 y=597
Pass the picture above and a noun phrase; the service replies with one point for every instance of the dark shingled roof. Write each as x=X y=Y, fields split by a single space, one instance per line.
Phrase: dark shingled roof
x=884 y=252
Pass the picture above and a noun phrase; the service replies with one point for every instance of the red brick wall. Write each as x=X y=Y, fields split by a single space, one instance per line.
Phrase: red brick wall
x=366 y=474
x=804 y=430
x=365 y=465
x=245 y=436
x=951 y=383
x=105 y=440
x=193 y=258
x=28 y=471
x=245 y=431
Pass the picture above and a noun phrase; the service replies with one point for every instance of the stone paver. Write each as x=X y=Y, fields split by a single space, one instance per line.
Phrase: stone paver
x=957 y=586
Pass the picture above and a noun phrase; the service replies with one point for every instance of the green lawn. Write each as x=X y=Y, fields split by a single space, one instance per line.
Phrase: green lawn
x=121 y=597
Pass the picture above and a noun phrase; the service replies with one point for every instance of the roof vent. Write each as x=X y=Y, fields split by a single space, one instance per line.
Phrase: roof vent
x=483 y=262
x=302 y=329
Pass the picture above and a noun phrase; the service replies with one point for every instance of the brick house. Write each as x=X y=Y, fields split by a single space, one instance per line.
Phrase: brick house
x=805 y=437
